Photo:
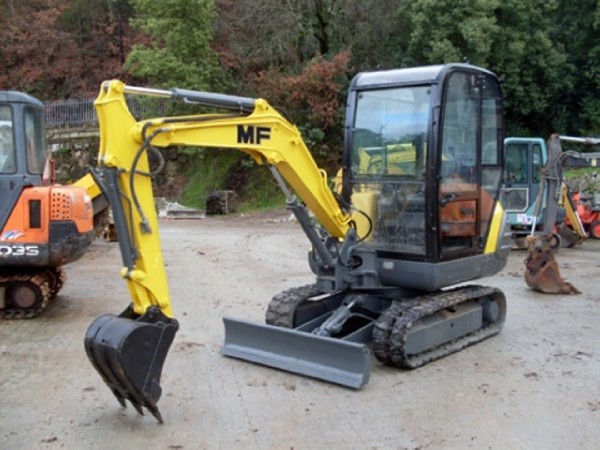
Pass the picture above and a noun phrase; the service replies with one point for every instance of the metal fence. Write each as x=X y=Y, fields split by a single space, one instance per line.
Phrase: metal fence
x=80 y=112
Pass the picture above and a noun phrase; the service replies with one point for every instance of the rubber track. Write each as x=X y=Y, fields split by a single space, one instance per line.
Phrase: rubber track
x=390 y=332
x=59 y=281
x=48 y=292
x=282 y=307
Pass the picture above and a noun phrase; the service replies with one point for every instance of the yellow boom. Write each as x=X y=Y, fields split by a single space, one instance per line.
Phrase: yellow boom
x=256 y=129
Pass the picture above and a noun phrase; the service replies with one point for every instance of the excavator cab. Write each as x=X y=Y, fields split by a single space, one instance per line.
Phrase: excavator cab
x=423 y=160
x=42 y=226
x=22 y=147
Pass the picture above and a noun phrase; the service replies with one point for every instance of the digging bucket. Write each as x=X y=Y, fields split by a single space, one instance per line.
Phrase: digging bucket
x=129 y=355
x=334 y=360
x=542 y=274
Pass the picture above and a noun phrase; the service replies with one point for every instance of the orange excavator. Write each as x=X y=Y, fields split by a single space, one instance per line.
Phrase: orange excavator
x=43 y=226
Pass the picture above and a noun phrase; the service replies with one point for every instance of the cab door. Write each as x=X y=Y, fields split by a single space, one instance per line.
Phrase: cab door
x=10 y=184
x=469 y=162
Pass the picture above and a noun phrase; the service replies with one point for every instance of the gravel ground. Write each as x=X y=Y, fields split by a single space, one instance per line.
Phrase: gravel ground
x=536 y=385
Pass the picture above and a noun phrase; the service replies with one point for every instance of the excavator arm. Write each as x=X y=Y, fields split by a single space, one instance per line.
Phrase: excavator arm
x=541 y=268
x=124 y=176
x=252 y=126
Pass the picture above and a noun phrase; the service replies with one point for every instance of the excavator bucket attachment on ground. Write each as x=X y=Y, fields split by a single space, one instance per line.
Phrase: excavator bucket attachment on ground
x=541 y=271
x=129 y=355
x=334 y=360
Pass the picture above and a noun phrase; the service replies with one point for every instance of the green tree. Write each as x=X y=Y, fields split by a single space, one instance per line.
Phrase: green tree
x=254 y=36
x=179 y=52
x=510 y=37
x=533 y=67
x=577 y=28
x=443 y=31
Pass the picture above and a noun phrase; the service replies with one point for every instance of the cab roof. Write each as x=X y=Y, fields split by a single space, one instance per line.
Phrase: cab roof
x=412 y=75
x=19 y=97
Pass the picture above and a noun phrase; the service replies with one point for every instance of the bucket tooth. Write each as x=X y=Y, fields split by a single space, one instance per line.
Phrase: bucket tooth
x=129 y=355
x=334 y=360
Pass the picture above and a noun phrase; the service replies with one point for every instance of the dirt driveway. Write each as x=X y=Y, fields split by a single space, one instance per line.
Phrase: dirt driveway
x=536 y=385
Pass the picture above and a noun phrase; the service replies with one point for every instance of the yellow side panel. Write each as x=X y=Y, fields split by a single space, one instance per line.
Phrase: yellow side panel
x=495 y=229
x=87 y=182
x=367 y=203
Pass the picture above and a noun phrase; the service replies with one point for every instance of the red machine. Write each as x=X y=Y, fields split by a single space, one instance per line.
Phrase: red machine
x=588 y=210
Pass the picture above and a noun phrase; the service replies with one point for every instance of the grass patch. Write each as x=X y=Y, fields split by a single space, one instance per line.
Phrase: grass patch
x=205 y=174
x=212 y=170
x=261 y=191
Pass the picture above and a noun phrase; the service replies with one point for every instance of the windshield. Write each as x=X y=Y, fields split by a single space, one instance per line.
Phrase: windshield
x=36 y=140
x=389 y=133
x=7 y=150
x=389 y=155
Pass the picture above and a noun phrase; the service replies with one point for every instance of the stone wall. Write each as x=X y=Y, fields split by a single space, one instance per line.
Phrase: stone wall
x=73 y=160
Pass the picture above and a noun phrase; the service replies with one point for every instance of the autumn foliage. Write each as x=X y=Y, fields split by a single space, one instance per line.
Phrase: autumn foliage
x=316 y=89
x=314 y=99
x=62 y=48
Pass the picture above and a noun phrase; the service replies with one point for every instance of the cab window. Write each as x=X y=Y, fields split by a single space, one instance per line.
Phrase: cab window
x=35 y=141
x=7 y=148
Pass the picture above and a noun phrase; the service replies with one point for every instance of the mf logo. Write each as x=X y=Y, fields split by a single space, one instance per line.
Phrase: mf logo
x=252 y=134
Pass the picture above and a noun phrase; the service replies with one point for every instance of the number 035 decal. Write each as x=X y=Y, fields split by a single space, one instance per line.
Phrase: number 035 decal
x=19 y=250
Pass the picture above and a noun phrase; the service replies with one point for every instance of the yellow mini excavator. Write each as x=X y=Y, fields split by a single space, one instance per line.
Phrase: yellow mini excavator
x=416 y=217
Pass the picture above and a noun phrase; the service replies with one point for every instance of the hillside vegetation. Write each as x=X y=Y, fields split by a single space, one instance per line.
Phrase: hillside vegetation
x=301 y=56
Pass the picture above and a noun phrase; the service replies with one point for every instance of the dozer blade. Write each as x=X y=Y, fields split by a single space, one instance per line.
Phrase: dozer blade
x=129 y=355
x=542 y=274
x=334 y=360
